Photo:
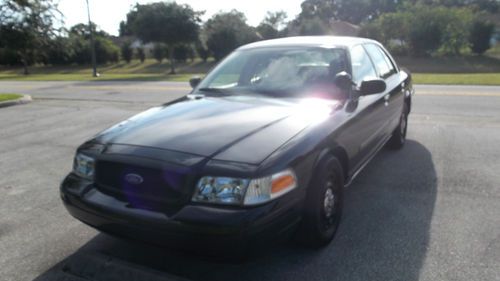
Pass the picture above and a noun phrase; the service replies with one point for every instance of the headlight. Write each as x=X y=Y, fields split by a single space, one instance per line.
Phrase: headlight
x=234 y=191
x=220 y=190
x=83 y=166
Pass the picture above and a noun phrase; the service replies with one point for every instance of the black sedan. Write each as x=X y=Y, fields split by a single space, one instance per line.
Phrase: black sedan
x=262 y=147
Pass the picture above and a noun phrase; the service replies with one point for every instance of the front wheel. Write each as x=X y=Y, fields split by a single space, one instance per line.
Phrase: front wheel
x=398 y=138
x=323 y=206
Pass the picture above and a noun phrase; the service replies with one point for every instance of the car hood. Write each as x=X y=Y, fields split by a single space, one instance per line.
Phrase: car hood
x=235 y=128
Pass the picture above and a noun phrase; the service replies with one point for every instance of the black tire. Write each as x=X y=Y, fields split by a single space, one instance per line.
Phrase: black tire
x=320 y=222
x=398 y=138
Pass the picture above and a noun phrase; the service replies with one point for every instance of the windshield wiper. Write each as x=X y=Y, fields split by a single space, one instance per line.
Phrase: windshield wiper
x=270 y=92
x=246 y=90
x=214 y=90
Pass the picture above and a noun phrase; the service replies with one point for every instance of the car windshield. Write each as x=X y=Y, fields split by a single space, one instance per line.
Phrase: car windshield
x=277 y=71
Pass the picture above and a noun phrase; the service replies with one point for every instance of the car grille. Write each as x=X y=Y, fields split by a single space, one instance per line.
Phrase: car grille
x=151 y=188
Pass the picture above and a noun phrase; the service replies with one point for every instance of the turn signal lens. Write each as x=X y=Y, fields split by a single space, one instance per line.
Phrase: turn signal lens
x=265 y=189
x=84 y=166
x=282 y=182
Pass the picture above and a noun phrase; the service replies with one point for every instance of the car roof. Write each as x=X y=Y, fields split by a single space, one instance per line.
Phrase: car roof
x=309 y=41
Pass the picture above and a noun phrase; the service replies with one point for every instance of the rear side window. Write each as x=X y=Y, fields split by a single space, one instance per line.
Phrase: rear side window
x=362 y=66
x=382 y=62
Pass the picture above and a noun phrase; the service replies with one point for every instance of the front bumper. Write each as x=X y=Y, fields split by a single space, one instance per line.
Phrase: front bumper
x=193 y=226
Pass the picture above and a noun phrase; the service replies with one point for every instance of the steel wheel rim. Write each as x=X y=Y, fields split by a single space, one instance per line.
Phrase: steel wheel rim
x=330 y=205
x=329 y=202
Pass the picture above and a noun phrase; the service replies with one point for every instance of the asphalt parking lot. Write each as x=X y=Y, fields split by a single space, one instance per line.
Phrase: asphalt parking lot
x=428 y=212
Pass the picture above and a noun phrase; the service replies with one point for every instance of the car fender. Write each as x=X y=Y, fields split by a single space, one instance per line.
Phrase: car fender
x=336 y=151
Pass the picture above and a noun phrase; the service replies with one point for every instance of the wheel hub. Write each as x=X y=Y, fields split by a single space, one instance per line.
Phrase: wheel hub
x=329 y=202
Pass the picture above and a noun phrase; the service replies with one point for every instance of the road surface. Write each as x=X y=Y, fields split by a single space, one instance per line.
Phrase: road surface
x=428 y=212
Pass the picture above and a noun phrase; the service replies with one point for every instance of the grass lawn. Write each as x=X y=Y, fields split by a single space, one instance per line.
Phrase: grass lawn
x=6 y=97
x=150 y=70
x=103 y=77
x=457 y=78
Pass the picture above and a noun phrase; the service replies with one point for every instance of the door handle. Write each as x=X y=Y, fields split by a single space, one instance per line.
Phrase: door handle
x=386 y=98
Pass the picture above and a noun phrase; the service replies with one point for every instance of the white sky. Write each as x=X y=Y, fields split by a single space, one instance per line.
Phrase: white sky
x=107 y=14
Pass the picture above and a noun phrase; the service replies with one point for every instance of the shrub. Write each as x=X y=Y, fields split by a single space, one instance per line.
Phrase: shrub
x=183 y=52
x=60 y=51
x=373 y=31
x=423 y=30
x=202 y=50
x=141 y=55
x=127 y=52
x=159 y=52
x=9 y=57
x=106 y=50
x=456 y=26
x=480 y=36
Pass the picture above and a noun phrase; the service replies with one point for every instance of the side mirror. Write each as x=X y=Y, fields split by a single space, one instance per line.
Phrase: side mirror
x=194 y=82
x=343 y=80
x=372 y=86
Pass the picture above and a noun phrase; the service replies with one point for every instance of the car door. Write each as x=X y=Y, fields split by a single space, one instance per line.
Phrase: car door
x=366 y=128
x=394 y=96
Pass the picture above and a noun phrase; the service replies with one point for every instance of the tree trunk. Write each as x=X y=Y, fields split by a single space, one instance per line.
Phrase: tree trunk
x=23 y=55
x=171 y=59
x=25 y=67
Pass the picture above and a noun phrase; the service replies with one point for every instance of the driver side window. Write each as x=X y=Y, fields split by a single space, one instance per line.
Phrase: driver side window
x=362 y=66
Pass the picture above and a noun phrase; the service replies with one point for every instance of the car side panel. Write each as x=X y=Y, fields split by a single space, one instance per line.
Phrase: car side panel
x=393 y=102
x=364 y=128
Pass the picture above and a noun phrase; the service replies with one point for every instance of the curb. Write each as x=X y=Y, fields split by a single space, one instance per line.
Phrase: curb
x=22 y=100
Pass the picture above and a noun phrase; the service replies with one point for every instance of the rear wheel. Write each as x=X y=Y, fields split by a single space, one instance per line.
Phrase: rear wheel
x=398 y=137
x=323 y=206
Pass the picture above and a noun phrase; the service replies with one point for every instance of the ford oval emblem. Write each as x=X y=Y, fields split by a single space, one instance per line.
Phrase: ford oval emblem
x=134 y=179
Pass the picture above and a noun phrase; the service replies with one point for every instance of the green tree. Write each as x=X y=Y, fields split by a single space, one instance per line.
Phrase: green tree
x=60 y=51
x=424 y=37
x=106 y=50
x=423 y=29
x=480 y=36
x=202 y=50
x=124 y=29
x=8 y=57
x=266 y=31
x=26 y=27
x=127 y=52
x=183 y=52
x=363 y=11
x=273 y=24
x=167 y=22
x=456 y=25
x=141 y=55
x=227 y=31
x=373 y=30
x=491 y=6
x=312 y=26
x=390 y=29
x=276 y=19
x=159 y=52
x=353 y=11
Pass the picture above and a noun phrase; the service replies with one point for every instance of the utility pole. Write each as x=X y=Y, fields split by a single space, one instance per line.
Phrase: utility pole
x=92 y=44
